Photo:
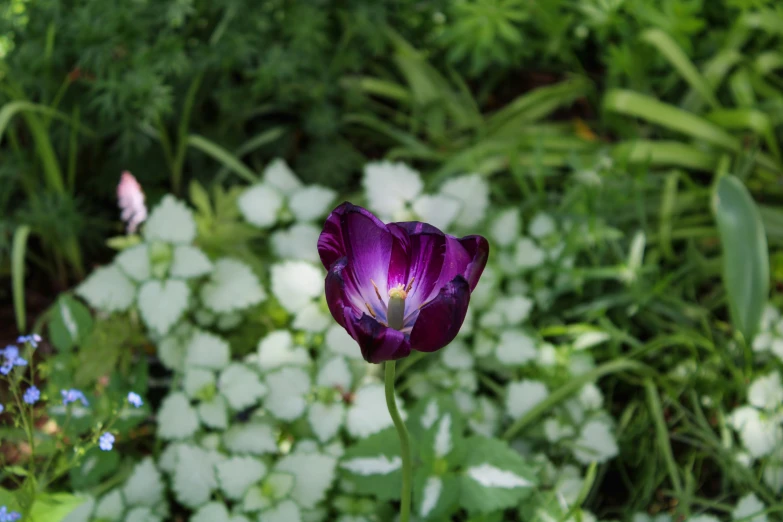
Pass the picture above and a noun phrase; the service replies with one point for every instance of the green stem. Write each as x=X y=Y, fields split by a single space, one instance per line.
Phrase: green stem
x=405 y=448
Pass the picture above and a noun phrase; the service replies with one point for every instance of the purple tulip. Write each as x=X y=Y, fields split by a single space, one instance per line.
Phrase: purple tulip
x=399 y=286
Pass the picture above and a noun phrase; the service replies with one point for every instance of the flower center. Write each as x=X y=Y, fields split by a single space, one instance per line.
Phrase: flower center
x=395 y=308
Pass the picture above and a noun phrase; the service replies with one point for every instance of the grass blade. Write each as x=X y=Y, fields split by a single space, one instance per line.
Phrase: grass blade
x=18 y=250
x=745 y=254
x=631 y=103
x=664 y=153
x=223 y=156
x=679 y=60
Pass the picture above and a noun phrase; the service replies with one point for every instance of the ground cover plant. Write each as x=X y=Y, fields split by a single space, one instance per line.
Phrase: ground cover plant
x=604 y=342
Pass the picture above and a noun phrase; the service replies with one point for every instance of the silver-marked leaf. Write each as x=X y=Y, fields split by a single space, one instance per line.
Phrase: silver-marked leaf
x=108 y=289
x=260 y=205
x=368 y=413
x=194 y=476
x=237 y=474
x=171 y=221
x=277 y=350
x=241 y=386
x=110 y=507
x=286 y=511
x=251 y=438
x=214 y=413
x=161 y=304
x=326 y=419
x=296 y=283
x=177 y=419
x=135 y=262
x=206 y=350
x=145 y=486
x=212 y=512
x=314 y=474
x=189 y=261
x=232 y=286
x=287 y=389
x=311 y=202
x=373 y=465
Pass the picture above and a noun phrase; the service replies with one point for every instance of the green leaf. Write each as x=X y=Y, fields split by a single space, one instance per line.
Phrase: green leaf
x=70 y=321
x=95 y=465
x=495 y=477
x=314 y=473
x=188 y=261
x=212 y=512
x=664 y=153
x=374 y=465
x=110 y=507
x=435 y=496
x=54 y=507
x=745 y=254
x=223 y=156
x=213 y=413
x=241 y=386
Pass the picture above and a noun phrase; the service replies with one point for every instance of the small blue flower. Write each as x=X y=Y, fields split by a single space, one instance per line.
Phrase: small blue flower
x=2 y=408
x=106 y=442
x=6 y=367
x=8 y=516
x=33 y=339
x=135 y=399
x=73 y=395
x=32 y=395
x=11 y=352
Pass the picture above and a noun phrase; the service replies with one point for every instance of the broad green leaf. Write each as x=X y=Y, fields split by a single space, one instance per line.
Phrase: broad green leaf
x=92 y=468
x=194 y=476
x=206 y=350
x=495 y=477
x=177 y=419
x=313 y=473
x=171 y=221
x=252 y=438
x=135 y=262
x=232 y=286
x=188 y=261
x=70 y=321
x=745 y=254
x=374 y=465
x=54 y=507
x=108 y=289
x=162 y=303
x=145 y=486
x=435 y=496
x=83 y=513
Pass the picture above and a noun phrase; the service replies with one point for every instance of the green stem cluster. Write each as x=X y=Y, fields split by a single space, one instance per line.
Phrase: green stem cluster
x=405 y=448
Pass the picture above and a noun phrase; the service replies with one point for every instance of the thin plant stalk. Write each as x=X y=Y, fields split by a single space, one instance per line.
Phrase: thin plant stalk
x=405 y=447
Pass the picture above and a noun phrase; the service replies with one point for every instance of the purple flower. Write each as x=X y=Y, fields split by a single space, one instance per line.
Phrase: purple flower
x=399 y=286
x=32 y=395
x=33 y=339
x=73 y=395
x=8 y=516
x=135 y=399
x=106 y=442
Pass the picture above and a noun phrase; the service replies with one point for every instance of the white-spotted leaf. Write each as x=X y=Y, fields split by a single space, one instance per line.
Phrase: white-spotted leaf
x=108 y=289
x=232 y=286
x=162 y=303
x=171 y=221
x=177 y=419
x=188 y=261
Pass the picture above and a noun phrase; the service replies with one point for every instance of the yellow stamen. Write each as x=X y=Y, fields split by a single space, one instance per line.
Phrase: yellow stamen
x=369 y=309
x=398 y=291
x=410 y=285
x=378 y=293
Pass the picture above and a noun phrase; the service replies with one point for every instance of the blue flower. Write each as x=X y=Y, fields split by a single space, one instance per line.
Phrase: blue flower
x=2 y=408
x=8 y=516
x=106 y=442
x=33 y=339
x=135 y=399
x=11 y=352
x=73 y=395
x=11 y=356
x=6 y=367
x=32 y=395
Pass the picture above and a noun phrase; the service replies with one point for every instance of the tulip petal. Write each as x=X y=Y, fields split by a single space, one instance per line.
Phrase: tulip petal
x=378 y=342
x=439 y=320
x=477 y=248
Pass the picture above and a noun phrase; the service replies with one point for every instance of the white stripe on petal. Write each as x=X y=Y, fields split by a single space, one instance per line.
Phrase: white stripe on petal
x=380 y=465
x=432 y=490
x=491 y=477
